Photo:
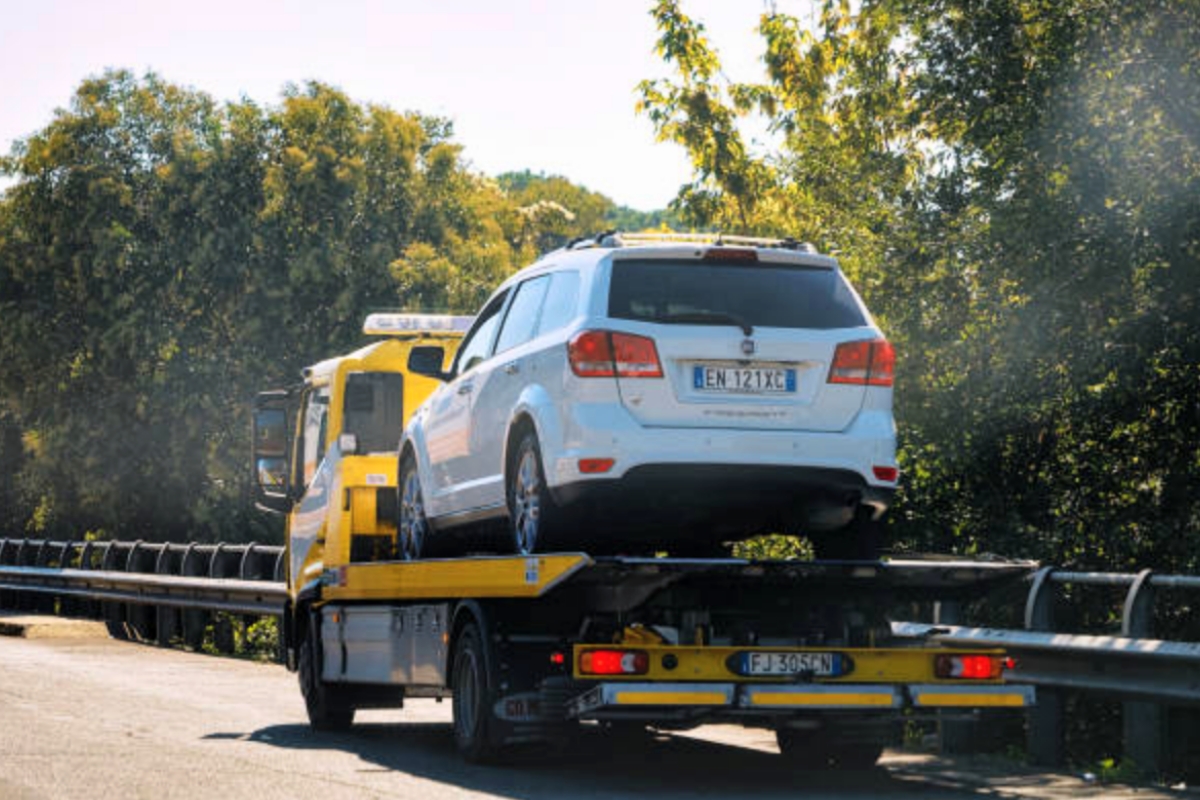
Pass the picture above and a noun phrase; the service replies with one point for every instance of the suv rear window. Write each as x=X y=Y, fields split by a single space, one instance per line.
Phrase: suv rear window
x=705 y=292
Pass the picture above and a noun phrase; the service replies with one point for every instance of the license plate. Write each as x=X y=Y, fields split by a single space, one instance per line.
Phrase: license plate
x=766 y=663
x=744 y=380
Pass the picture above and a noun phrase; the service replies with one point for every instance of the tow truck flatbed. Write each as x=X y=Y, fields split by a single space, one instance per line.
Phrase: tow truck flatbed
x=536 y=576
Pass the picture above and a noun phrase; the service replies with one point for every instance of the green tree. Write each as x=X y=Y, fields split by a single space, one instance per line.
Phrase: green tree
x=163 y=257
x=1011 y=183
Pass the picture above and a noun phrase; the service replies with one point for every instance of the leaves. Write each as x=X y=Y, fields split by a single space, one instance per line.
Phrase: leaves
x=162 y=258
x=1012 y=186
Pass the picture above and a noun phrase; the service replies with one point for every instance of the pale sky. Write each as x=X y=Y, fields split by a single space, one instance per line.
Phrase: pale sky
x=548 y=86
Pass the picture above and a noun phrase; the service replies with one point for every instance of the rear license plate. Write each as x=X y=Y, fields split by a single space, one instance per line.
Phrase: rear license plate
x=766 y=663
x=744 y=380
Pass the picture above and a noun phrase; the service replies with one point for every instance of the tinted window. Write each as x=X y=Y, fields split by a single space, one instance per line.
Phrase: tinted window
x=522 y=315
x=771 y=296
x=374 y=410
x=561 y=301
x=477 y=346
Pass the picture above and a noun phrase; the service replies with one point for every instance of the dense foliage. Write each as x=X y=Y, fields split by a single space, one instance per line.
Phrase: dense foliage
x=162 y=258
x=1015 y=187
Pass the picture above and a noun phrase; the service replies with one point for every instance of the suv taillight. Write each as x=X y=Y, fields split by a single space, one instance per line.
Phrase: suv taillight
x=870 y=363
x=605 y=354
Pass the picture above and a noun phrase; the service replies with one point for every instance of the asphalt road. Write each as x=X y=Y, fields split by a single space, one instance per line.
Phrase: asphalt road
x=83 y=716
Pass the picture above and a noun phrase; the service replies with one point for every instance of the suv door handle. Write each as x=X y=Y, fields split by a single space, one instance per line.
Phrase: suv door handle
x=512 y=368
x=465 y=388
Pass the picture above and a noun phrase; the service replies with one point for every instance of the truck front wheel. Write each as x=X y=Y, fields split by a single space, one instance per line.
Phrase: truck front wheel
x=474 y=725
x=328 y=708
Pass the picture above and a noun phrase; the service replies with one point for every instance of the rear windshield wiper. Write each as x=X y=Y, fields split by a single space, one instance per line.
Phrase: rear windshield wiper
x=707 y=317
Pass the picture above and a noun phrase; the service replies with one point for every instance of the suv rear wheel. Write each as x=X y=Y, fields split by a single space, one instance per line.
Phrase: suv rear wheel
x=531 y=510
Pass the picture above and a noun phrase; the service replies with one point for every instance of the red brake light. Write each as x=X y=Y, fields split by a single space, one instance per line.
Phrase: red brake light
x=614 y=662
x=730 y=254
x=601 y=354
x=883 y=363
x=636 y=356
x=864 y=363
x=969 y=667
x=590 y=354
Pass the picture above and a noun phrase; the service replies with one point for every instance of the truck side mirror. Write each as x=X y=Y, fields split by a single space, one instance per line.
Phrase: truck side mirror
x=272 y=481
x=427 y=360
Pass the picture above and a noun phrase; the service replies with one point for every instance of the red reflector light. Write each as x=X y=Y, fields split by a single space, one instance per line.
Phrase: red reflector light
x=593 y=466
x=969 y=667
x=558 y=659
x=602 y=354
x=614 y=662
x=870 y=363
x=730 y=254
x=888 y=474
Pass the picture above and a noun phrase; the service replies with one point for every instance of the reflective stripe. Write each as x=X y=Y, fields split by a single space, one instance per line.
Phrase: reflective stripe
x=963 y=699
x=822 y=699
x=672 y=698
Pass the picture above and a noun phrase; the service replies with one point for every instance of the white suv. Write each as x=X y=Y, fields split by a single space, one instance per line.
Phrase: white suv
x=658 y=392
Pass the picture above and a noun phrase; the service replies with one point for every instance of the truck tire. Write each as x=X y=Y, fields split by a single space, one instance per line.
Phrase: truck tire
x=328 y=708
x=812 y=750
x=533 y=515
x=474 y=696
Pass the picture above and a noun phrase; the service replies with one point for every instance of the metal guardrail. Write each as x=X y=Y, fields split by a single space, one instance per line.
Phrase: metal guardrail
x=151 y=591
x=1150 y=675
x=210 y=594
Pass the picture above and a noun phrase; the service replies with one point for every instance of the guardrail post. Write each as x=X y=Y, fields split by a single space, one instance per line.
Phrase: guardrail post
x=166 y=622
x=1045 y=734
x=223 y=635
x=192 y=564
x=1144 y=723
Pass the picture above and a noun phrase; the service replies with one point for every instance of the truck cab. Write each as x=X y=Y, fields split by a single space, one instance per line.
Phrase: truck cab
x=325 y=449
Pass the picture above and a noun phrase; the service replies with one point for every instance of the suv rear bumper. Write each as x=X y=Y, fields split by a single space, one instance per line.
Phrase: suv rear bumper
x=745 y=495
x=715 y=466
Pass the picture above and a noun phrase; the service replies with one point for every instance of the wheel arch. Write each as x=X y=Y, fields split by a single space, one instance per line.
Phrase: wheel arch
x=534 y=411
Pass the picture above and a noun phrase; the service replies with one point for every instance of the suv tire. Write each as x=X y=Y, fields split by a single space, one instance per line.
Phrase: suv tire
x=532 y=512
x=412 y=526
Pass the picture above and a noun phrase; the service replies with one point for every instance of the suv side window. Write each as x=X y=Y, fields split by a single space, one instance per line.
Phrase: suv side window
x=478 y=344
x=561 y=302
x=522 y=315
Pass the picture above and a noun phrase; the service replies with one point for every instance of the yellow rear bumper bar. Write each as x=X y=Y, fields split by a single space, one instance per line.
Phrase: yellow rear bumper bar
x=714 y=697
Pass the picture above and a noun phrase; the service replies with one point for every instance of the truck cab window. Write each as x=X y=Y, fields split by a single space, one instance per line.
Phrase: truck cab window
x=316 y=421
x=374 y=410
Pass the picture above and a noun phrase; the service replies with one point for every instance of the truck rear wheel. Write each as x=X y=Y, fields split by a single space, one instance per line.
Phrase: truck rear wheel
x=813 y=750
x=328 y=708
x=474 y=695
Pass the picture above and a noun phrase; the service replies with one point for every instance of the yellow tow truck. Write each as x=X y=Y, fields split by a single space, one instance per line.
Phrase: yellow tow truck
x=530 y=647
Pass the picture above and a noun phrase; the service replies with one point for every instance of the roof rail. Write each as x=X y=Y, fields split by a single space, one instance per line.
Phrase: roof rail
x=626 y=239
